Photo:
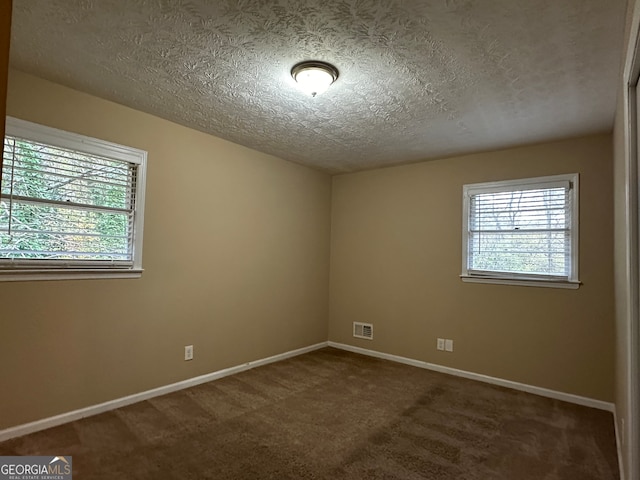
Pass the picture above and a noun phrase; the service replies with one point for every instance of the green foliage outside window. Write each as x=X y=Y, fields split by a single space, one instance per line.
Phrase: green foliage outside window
x=61 y=204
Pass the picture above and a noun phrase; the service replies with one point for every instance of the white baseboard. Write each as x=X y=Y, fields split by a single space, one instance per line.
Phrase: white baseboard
x=54 y=421
x=49 y=422
x=544 y=392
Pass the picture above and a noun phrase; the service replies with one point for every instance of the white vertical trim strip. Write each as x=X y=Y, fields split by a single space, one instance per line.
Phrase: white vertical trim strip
x=630 y=124
x=618 y=443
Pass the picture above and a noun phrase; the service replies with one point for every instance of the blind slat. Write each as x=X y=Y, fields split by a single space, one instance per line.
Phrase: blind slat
x=44 y=150
x=61 y=175
x=63 y=204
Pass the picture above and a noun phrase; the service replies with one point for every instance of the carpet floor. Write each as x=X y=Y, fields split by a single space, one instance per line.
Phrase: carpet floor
x=332 y=414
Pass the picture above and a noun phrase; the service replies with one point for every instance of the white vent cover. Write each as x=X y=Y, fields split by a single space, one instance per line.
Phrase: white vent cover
x=363 y=330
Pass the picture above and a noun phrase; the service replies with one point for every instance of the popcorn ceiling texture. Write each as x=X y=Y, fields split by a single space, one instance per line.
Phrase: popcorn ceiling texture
x=418 y=80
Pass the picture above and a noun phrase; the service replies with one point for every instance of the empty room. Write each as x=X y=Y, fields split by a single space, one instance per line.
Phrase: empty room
x=351 y=239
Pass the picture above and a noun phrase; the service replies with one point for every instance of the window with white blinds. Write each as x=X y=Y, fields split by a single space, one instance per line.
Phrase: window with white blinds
x=522 y=230
x=69 y=203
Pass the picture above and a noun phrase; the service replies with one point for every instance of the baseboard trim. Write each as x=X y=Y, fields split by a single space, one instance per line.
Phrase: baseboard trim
x=544 y=392
x=63 y=418
x=56 y=420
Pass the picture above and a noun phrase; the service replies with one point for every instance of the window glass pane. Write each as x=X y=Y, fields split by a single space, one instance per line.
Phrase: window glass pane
x=43 y=231
x=60 y=204
x=35 y=170
x=520 y=252
x=525 y=231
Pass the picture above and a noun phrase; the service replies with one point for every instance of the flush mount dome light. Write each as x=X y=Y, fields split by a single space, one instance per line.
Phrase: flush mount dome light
x=314 y=77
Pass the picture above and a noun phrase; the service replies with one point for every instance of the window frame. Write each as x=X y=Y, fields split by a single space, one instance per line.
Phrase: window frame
x=508 y=278
x=70 y=269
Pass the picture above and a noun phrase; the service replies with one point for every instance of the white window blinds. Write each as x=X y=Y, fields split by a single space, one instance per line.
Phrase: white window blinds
x=521 y=229
x=62 y=207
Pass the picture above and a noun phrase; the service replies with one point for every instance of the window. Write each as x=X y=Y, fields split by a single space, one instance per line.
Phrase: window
x=522 y=232
x=70 y=206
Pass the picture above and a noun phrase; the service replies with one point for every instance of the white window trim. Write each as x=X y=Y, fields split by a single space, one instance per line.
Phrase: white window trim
x=60 y=138
x=518 y=279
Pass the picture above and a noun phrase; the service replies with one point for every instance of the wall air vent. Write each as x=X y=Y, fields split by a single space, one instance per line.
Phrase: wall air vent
x=363 y=330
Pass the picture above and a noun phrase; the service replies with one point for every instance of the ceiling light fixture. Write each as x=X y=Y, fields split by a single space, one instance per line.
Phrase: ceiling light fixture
x=314 y=77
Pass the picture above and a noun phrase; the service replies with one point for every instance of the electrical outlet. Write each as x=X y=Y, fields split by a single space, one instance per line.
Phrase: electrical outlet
x=448 y=345
x=188 y=352
x=440 y=344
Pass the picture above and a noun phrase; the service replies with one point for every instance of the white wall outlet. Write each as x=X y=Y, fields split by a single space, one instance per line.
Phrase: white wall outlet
x=448 y=345
x=188 y=352
x=440 y=344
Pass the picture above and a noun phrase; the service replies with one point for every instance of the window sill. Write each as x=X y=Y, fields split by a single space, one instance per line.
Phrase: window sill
x=526 y=282
x=16 y=275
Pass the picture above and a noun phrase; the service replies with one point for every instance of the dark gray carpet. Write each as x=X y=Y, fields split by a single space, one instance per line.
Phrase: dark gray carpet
x=331 y=414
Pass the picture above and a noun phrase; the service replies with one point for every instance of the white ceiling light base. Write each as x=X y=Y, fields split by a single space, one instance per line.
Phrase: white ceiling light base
x=314 y=77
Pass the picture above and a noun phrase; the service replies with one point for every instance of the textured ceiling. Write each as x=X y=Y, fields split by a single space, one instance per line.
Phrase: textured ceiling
x=418 y=79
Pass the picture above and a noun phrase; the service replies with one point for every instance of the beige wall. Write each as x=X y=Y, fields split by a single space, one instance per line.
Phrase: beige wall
x=236 y=257
x=396 y=260
x=247 y=274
